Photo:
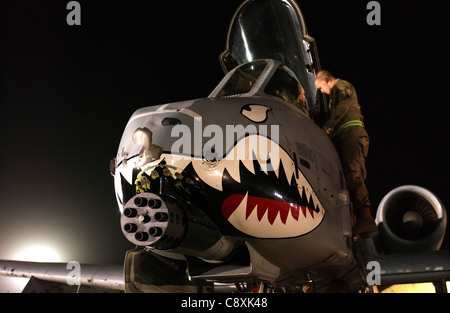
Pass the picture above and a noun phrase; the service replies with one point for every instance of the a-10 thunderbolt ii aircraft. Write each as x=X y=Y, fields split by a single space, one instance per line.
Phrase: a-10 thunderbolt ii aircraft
x=244 y=187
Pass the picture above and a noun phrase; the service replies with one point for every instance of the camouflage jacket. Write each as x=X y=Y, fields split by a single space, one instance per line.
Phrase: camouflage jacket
x=344 y=106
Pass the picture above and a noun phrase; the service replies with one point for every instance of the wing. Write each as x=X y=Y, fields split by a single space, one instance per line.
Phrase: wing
x=45 y=276
x=431 y=266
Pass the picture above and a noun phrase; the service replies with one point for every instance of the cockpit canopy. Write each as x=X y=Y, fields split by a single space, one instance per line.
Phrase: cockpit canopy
x=285 y=85
x=264 y=77
x=243 y=79
x=280 y=35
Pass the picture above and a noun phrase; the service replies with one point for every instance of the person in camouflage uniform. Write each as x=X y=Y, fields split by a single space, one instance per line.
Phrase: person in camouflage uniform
x=345 y=126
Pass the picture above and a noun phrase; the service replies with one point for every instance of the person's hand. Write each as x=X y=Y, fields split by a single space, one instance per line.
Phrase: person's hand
x=327 y=130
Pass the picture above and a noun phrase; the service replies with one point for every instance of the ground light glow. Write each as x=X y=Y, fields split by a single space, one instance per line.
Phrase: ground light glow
x=38 y=253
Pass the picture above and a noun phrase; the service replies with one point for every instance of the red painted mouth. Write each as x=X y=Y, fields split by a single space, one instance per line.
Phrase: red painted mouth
x=272 y=207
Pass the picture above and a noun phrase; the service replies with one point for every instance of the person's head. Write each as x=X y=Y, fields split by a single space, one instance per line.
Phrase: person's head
x=324 y=81
x=301 y=94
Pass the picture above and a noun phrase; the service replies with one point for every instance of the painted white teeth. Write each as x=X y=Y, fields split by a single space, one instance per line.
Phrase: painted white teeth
x=245 y=152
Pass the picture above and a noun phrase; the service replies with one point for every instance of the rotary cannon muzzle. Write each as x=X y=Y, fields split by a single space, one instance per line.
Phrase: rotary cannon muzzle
x=130 y=212
x=140 y=201
x=148 y=220
x=154 y=203
x=168 y=224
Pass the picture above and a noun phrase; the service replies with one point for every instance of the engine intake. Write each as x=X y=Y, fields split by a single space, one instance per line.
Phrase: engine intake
x=410 y=219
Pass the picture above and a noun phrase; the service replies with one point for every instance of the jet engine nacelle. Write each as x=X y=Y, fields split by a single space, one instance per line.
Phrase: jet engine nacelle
x=411 y=219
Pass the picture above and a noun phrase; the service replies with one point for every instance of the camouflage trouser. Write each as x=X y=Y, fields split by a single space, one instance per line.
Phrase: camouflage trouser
x=352 y=146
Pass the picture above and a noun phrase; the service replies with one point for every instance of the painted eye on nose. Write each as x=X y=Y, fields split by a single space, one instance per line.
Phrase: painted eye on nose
x=255 y=112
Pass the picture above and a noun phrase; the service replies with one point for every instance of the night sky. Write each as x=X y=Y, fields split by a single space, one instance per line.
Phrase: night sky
x=67 y=92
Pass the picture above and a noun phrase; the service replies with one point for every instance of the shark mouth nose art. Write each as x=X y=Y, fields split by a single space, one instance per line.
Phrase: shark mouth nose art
x=264 y=203
x=261 y=197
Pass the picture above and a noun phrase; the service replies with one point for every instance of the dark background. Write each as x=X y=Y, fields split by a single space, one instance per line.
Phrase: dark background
x=66 y=93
